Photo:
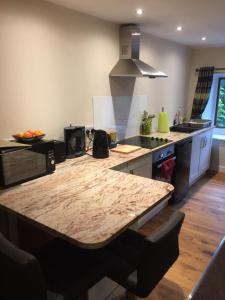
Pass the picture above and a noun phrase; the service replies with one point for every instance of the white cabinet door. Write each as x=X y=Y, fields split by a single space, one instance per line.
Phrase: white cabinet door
x=205 y=152
x=195 y=155
x=141 y=166
x=200 y=155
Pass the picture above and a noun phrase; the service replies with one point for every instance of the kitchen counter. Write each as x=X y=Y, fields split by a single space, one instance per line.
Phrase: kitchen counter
x=85 y=201
x=116 y=159
x=86 y=204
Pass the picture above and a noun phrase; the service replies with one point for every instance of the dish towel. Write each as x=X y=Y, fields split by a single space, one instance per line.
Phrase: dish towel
x=167 y=168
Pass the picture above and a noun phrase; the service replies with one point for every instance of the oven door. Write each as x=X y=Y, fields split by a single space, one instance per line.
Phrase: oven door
x=159 y=173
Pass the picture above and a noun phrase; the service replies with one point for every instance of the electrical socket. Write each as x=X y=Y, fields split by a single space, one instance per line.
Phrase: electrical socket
x=88 y=127
x=89 y=137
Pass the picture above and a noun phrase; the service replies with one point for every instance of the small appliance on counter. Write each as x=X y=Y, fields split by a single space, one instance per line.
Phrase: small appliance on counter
x=163 y=122
x=100 y=144
x=74 y=137
x=23 y=163
x=59 y=151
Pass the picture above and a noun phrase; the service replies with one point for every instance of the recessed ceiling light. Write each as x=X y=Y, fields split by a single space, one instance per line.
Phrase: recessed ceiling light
x=139 y=11
x=203 y=38
x=179 y=28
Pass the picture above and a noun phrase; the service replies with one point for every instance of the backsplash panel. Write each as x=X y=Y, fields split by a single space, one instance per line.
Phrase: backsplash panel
x=122 y=113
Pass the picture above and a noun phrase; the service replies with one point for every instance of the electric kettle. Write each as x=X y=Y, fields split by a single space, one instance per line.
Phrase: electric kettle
x=100 y=144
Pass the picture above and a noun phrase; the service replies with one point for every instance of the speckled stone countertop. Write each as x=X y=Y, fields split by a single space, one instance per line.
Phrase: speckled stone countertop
x=85 y=201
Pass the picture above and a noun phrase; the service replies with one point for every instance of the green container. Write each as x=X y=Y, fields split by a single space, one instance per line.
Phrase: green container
x=163 y=122
x=146 y=127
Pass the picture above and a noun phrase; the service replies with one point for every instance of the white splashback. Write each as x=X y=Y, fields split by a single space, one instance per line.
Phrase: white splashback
x=122 y=113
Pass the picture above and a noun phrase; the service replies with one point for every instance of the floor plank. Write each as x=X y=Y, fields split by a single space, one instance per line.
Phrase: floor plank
x=203 y=229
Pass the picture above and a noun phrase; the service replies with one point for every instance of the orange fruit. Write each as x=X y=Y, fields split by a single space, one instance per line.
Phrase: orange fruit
x=27 y=135
x=32 y=132
x=19 y=134
x=38 y=132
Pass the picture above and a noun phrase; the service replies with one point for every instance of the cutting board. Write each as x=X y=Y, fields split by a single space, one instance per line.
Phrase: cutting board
x=126 y=149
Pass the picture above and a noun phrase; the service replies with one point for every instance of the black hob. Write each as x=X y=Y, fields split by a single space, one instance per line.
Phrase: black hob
x=145 y=141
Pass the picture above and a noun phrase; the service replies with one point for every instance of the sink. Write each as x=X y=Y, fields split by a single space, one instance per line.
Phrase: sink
x=197 y=123
x=182 y=128
x=191 y=126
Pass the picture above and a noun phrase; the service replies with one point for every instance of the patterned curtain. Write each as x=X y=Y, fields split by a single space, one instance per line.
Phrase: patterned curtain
x=202 y=91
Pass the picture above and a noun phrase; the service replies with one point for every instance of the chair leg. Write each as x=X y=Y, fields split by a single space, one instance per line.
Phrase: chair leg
x=130 y=296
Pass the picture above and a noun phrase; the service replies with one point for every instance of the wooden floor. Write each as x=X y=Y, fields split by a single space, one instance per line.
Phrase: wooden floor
x=203 y=229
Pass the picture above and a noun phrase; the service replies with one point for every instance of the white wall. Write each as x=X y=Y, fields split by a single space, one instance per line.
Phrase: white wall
x=53 y=60
x=174 y=60
x=218 y=155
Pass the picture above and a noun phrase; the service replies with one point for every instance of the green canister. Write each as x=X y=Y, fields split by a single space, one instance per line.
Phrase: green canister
x=163 y=121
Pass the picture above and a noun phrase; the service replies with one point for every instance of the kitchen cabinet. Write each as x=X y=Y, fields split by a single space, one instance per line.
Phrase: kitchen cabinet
x=205 y=153
x=141 y=166
x=200 y=155
x=121 y=168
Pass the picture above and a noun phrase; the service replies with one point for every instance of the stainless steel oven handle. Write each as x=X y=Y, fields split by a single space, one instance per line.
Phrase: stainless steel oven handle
x=159 y=166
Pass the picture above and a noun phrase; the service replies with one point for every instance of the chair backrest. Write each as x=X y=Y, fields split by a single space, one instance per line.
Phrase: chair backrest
x=20 y=274
x=161 y=249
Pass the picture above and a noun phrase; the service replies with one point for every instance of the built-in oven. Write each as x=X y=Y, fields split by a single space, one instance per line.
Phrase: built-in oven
x=18 y=164
x=163 y=164
x=172 y=164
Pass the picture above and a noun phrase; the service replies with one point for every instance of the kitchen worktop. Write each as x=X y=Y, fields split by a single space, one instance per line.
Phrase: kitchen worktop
x=116 y=159
x=85 y=201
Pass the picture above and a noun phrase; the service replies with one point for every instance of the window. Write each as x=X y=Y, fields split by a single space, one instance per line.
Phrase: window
x=220 y=104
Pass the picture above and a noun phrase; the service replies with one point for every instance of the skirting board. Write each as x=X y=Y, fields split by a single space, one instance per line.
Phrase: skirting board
x=218 y=168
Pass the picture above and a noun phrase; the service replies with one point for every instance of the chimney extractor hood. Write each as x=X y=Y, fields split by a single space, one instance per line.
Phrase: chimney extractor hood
x=129 y=64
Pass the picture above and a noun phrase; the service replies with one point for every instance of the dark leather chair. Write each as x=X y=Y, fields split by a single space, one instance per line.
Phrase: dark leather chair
x=140 y=262
x=70 y=270
x=66 y=271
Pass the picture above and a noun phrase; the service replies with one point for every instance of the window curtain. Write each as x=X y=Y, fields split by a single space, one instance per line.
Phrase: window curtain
x=202 y=91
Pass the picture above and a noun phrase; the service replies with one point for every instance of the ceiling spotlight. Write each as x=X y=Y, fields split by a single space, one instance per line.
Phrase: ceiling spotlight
x=139 y=11
x=179 y=28
x=203 y=38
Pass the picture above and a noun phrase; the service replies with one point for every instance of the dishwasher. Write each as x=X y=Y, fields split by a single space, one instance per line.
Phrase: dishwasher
x=182 y=170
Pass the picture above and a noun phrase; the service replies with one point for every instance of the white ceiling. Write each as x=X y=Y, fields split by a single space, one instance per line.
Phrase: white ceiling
x=197 y=17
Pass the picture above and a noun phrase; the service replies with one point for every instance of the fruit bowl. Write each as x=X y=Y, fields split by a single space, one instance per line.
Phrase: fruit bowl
x=31 y=139
x=29 y=136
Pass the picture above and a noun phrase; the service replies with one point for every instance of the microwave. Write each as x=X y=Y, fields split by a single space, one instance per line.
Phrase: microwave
x=21 y=164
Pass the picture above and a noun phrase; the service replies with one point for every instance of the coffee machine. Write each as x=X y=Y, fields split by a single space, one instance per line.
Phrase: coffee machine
x=74 y=137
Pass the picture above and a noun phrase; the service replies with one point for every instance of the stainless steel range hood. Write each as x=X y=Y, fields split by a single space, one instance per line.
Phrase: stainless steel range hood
x=129 y=64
